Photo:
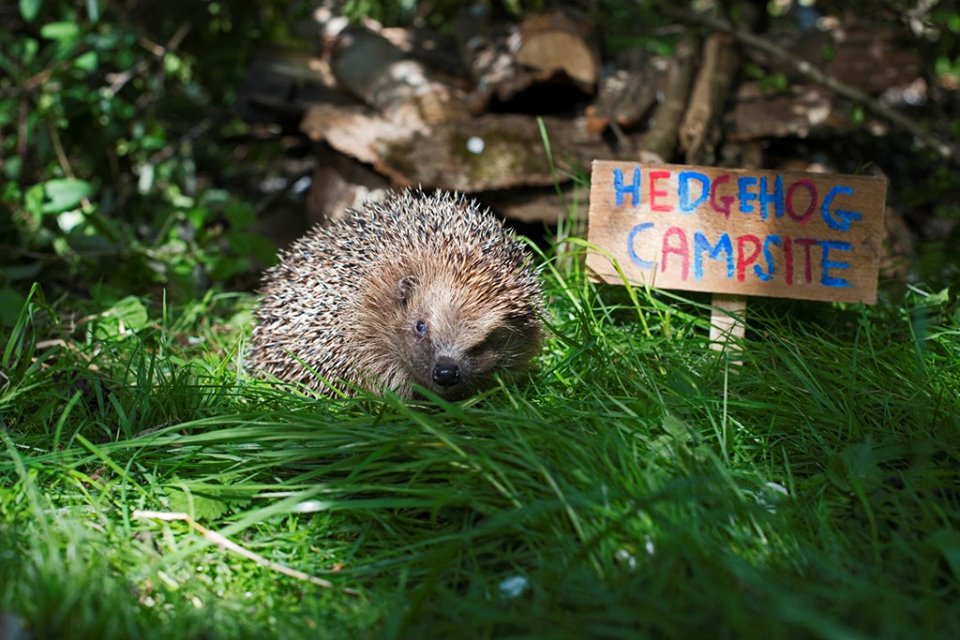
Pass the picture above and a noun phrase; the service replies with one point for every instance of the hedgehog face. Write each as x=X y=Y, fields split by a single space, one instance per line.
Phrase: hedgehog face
x=452 y=344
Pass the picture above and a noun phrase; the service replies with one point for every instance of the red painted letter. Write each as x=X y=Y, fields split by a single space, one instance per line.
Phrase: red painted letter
x=788 y=258
x=654 y=193
x=812 y=190
x=725 y=201
x=744 y=261
x=682 y=249
x=806 y=243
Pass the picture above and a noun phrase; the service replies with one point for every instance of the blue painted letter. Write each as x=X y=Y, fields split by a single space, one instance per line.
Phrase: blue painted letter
x=701 y=244
x=683 y=190
x=744 y=183
x=633 y=189
x=826 y=263
x=844 y=218
x=776 y=197
x=769 y=240
x=637 y=260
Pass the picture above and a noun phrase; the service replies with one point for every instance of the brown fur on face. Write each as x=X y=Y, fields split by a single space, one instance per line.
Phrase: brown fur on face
x=431 y=315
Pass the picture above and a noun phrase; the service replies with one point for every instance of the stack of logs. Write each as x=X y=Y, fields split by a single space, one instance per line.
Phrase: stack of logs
x=513 y=112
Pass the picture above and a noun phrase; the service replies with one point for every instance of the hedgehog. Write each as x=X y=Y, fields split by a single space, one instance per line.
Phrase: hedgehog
x=415 y=290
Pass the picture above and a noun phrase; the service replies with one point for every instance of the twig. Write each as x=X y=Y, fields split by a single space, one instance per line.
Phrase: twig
x=195 y=132
x=118 y=80
x=946 y=151
x=227 y=544
x=65 y=163
x=58 y=150
x=699 y=131
x=23 y=130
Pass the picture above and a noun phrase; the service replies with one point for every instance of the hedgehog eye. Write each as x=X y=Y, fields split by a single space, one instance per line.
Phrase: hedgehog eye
x=420 y=327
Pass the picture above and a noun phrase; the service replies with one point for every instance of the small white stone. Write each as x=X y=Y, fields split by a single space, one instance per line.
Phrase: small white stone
x=475 y=145
x=69 y=220
x=779 y=488
x=311 y=506
x=649 y=546
x=302 y=184
x=514 y=586
x=625 y=557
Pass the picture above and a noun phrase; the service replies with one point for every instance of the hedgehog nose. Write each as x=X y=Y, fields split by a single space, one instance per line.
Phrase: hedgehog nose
x=446 y=373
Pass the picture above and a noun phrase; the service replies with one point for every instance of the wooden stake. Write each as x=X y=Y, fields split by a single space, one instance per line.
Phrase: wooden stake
x=728 y=322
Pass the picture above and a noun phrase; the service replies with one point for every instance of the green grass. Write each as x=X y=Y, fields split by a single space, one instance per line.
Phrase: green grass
x=637 y=484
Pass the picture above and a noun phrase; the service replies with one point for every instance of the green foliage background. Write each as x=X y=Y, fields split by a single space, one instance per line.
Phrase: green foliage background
x=106 y=111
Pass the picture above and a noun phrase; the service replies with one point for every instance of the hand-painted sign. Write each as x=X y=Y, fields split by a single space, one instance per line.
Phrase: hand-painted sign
x=782 y=234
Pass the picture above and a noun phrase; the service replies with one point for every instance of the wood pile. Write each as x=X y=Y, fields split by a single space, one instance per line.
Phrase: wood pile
x=513 y=113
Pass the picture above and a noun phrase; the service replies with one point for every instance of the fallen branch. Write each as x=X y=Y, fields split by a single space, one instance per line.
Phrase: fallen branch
x=661 y=140
x=699 y=131
x=227 y=544
x=945 y=150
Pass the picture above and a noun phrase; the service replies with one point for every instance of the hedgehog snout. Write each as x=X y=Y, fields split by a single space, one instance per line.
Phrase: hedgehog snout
x=446 y=372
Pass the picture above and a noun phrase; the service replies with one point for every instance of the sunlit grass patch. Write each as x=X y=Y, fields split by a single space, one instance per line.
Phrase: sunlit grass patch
x=636 y=483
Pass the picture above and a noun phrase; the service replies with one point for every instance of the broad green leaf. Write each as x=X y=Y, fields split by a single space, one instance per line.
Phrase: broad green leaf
x=87 y=61
x=240 y=215
x=198 y=506
x=197 y=216
x=145 y=182
x=63 y=32
x=30 y=48
x=677 y=428
x=64 y=193
x=124 y=317
x=11 y=168
x=33 y=201
x=28 y=271
x=29 y=9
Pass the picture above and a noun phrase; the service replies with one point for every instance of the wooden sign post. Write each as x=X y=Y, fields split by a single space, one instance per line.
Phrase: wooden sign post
x=736 y=233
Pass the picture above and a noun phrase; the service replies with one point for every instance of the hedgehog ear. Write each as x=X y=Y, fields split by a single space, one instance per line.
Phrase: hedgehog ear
x=405 y=288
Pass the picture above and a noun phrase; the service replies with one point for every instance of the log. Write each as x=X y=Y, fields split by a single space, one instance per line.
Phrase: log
x=370 y=67
x=494 y=151
x=543 y=204
x=430 y=48
x=870 y=57
x=281 y=84
x=485 y=54
x=507 y=61
x=802 y=111
x=554 y=45
x=339 y=182
x=699 y=131
x=627 y=94
x=661 y=141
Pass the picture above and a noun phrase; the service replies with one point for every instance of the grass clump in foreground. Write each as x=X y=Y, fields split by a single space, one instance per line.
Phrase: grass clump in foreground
x=637 y=484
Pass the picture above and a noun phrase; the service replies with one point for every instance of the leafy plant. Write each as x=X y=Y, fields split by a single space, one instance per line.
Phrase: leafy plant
x=104 y=114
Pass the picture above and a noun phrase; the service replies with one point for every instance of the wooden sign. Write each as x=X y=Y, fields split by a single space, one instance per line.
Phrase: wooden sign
x=814 y=236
